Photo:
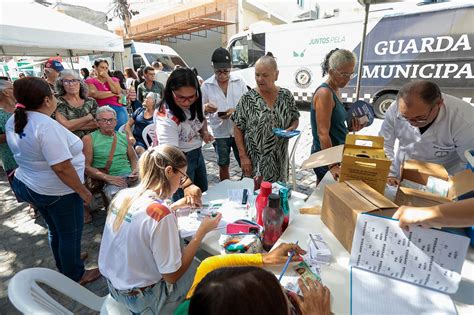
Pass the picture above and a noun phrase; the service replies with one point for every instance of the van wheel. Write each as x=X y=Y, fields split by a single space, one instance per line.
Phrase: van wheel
x=382 y=103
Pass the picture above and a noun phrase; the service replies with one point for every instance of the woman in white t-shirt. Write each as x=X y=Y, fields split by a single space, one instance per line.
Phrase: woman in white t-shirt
x=50 y=173
x=140 y=253
x=180 y=122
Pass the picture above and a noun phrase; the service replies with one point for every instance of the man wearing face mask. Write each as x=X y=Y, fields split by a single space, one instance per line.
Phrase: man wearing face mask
x=430 y=126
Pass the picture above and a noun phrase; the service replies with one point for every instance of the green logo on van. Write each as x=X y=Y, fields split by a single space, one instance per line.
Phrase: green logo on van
x=299 y=54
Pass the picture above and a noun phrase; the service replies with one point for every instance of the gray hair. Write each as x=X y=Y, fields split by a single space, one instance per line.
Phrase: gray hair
x=268 y=59
x=337 y=58
x=4 y=84
x=156 y=98
x=105 y=109
x=83 y=90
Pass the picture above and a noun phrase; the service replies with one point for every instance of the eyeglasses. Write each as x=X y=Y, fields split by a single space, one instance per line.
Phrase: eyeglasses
x=71 y=82
x=416 y=121
x=183 y=178
x=345 y=74
x=106 y=121
x=220 y=72
x=181 y=98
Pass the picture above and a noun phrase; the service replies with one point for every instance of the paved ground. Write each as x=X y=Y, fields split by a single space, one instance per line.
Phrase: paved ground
x=24 y=240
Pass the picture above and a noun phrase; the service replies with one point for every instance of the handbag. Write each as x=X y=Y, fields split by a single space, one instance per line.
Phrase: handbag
x=95 y=185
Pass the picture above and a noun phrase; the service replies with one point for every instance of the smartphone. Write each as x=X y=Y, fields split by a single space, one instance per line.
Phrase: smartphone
x=220 y=114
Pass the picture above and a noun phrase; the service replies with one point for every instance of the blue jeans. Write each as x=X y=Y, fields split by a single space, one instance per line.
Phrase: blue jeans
x=196 y=172
x=64 y=216
x=162 y=298
x=222 y=147
x=122 y=115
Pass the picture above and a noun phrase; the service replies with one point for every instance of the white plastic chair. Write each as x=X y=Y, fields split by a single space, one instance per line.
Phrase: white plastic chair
x=122 y=128
x=150 y=132
x=293 y=144
x=29 y=298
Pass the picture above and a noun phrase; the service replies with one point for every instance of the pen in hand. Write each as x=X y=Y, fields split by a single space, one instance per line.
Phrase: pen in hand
x=287 y=263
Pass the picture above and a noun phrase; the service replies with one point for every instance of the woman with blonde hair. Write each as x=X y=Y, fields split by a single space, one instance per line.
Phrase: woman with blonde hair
x=140 y=254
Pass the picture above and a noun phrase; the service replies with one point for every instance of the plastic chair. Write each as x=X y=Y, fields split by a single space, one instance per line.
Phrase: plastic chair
x=149 y=131
x=29 y=298
x=122 y=128
x=293 y=144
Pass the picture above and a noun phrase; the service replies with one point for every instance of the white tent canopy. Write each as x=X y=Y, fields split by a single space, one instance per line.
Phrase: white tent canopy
x=30 y=29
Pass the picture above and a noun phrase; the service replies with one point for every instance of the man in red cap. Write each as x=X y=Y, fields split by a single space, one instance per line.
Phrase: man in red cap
x=52 y=69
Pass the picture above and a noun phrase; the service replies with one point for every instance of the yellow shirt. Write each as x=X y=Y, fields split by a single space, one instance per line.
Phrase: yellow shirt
x=215 y=262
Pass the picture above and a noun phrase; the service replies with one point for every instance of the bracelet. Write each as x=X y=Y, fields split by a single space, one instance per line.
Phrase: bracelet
x=187 y=186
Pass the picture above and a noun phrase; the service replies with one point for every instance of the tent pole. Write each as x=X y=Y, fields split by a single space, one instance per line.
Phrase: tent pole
x=70 y=59
x=361 y=52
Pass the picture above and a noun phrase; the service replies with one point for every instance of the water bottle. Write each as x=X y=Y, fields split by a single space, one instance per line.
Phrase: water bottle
x=262 y=200
x=273 y=217
x=257 y=179
x=285 y=206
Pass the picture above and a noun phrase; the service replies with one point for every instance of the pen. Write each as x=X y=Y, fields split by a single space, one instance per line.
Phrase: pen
x=292 y=253
x=245 y=196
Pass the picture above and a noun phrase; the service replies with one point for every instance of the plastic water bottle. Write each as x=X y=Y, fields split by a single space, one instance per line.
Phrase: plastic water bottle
x=273 y=217
x=262 y=200
x=285 y=206
x=257 y=179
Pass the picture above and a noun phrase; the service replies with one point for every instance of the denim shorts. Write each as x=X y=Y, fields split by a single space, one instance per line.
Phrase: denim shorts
x=223 y=147
x=161 y=298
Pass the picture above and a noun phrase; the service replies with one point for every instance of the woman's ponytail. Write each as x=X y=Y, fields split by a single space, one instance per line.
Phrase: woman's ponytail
x=30 y=93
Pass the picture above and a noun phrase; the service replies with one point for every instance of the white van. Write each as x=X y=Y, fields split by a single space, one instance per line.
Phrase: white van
x=138 y=54
x=432 y=42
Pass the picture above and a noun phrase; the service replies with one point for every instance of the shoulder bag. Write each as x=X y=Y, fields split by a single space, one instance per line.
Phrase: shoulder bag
x=95 y=185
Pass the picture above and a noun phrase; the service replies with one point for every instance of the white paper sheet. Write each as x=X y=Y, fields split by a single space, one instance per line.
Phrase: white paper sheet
x=426 y=257
x=376 y=294
x=189 y=221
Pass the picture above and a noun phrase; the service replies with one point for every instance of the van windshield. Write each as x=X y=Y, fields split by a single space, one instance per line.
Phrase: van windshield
x=168 y=61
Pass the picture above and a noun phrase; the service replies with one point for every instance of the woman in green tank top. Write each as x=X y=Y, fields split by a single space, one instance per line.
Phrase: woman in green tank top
x=328 y=115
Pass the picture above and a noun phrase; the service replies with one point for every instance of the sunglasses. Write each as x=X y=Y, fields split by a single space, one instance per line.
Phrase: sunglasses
x=221 y=72
x=181 y=98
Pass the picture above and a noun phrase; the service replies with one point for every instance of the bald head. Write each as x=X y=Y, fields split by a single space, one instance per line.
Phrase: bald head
x=426 y=91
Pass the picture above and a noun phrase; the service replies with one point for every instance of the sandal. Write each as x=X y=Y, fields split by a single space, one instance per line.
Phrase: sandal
x=33 y=213
x=89 y=276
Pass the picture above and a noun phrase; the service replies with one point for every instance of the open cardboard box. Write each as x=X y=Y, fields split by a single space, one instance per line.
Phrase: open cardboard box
x=461 y=185
x=362 y=158
x=342 y=203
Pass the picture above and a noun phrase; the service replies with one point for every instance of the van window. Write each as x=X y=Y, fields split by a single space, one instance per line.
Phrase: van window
x=256 y=48
x=245 y=53
x=137 y=62
x=239 y=52
x=168 y=61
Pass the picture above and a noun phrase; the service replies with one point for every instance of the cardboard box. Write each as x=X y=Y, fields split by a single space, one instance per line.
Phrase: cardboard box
x=366 y=163
x=461 y=184
x=362 y=158
x=342 y=202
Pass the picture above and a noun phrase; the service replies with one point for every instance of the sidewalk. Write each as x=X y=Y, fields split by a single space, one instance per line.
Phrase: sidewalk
x=24 y=240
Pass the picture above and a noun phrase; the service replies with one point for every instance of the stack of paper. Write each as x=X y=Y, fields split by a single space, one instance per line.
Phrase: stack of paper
x=318 y=249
